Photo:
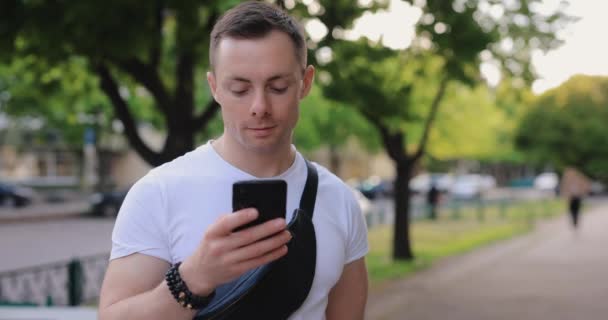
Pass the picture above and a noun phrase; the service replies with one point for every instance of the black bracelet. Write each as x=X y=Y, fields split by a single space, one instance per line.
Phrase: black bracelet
x=181 y=293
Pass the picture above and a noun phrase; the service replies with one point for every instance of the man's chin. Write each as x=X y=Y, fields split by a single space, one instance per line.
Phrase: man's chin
x=264 y=145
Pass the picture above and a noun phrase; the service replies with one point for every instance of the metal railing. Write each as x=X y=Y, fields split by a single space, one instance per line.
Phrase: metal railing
x=481 y=209
x=68 y=283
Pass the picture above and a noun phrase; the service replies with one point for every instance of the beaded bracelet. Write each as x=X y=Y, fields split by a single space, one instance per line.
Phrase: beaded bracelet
x=180 y=290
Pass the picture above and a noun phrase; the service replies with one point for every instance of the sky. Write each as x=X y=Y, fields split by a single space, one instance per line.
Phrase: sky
x=583 y=51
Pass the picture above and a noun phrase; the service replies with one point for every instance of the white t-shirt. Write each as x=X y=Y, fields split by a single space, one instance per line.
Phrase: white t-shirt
x=166 y=213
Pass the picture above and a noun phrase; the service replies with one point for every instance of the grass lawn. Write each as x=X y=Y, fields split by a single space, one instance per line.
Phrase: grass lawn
x=455 y=232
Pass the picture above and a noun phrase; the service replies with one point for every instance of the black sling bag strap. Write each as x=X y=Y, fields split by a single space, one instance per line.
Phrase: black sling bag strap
x=276 y=290
x=309 y=196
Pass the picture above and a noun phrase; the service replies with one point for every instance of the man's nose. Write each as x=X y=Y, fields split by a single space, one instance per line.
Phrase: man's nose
x=260 y=105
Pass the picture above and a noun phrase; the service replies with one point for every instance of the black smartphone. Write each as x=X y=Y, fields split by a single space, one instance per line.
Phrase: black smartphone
x=269 y=197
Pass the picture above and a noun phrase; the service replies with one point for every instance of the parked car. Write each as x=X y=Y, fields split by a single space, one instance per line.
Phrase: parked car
x=375 y=187
x=422 y=183
x=364 y=203
x=471 y=186
x=487 y=182
x=15 y=195
x=107 y=203
x=546 y=181
x=525 y=182
x=597 y=188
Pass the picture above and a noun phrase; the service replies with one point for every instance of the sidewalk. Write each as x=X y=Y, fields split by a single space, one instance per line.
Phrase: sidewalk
x=552 y=273
x=63 y=313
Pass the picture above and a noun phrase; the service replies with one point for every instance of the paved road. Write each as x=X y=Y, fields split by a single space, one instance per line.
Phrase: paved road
x=38 y=212
x=31 y=244
x=553 y=273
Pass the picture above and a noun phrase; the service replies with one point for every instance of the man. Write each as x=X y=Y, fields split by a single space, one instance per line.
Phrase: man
x=432 y=199
x=181 y=211
x=573 y=186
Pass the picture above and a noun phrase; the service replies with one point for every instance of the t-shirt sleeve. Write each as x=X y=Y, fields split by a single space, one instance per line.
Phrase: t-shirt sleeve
x=139 y=227
x=357 y=246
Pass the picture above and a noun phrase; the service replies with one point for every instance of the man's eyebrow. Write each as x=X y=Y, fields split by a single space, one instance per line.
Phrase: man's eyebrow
x=275 y=77
x=278 y=76
x=239 y=79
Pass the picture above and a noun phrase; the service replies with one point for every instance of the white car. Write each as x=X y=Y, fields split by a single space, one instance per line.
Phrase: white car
x=471 y=186
x=546 y=181
x=364 y=203
x=422 y=182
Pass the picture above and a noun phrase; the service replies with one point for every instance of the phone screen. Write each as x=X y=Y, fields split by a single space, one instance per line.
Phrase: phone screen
x=269 y=197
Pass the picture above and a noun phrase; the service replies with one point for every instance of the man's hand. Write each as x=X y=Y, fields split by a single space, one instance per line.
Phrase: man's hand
x=224 y=255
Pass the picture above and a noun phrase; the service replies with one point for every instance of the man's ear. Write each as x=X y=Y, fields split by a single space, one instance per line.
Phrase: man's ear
x=212 y=84
x=309 y=76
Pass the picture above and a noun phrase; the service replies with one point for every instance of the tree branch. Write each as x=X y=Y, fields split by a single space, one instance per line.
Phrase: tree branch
x=186 y=40
x=202 y=120
x=394 y=142
x=155 y=50
x=184 y=93
x=431 y=119
x=110 y=87
x=149 y=78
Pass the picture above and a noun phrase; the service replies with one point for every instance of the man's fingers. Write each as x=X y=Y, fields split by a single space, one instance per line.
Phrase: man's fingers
x=250 y=235
x=262 y=260
x=228 y=222
x=259 y=248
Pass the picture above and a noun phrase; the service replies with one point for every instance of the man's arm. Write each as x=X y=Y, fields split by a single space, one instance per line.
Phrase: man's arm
x=348 y=297
x=134 y=288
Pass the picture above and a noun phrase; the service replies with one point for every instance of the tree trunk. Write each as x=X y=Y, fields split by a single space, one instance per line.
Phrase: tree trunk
x=394 y=144
x=177 y=144
x=402 y=249
x=182 y=124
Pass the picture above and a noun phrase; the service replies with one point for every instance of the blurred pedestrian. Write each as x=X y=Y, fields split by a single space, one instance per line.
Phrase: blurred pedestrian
x=574 y=208
x=432 y=199
x=573 y=187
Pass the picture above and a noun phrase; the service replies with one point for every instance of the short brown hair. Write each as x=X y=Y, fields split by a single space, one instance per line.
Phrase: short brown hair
x=255 y=19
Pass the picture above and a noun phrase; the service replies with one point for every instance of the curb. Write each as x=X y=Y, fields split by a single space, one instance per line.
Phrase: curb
x=40 y=218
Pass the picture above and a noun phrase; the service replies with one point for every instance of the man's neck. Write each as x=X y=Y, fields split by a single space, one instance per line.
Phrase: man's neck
x=258 y=164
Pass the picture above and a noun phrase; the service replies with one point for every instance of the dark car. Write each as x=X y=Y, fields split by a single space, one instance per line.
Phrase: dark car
x=376 y=188
x=15 y=195
x=107 y=203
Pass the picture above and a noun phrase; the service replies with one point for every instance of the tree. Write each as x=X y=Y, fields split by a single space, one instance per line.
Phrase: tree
x=63 y=98
x=328 y=123
x=395 y=91
x=154 y=44
x=156 y=50
x=454 y=136
x=566 y=126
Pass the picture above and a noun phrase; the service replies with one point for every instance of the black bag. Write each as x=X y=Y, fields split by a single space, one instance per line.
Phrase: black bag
x=278 y=289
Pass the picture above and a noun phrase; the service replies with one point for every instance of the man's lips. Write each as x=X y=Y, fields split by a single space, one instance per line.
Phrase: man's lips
x=262 y=131
x=262 y=128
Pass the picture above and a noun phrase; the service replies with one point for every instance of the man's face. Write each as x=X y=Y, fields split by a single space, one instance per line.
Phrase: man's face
x=259 y=84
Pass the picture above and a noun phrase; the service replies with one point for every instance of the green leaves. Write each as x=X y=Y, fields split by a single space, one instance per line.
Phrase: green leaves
x=58 y=94
x=567 y=126
x=48 y=50
x=327 y=123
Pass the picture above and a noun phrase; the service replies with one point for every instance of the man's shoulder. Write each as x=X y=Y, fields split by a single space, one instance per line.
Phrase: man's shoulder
x=180 y=169
x=186 y=164
x=176 y=174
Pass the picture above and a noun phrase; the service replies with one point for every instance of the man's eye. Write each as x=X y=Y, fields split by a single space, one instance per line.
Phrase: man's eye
x=278 y=90
x=239 y=92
